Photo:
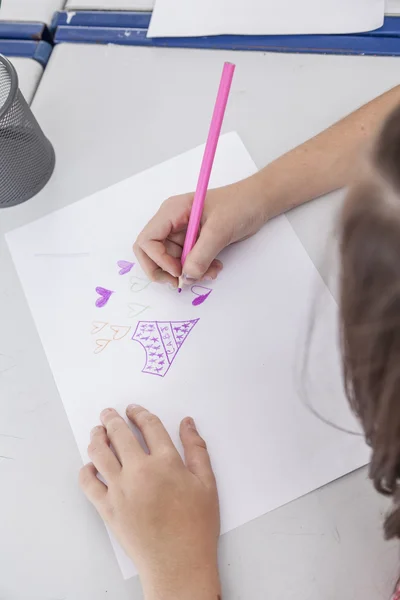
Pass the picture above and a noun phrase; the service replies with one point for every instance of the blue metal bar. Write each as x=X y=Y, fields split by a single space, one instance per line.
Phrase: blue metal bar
x=141 y=20
x=98 y=18
x=103 y=35
x=315 y=44
x=39 y=51
x=390 y=27
x=13 y=30
x=43 y=52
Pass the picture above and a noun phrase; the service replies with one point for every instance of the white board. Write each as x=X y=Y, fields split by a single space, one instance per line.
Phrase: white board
x=264 y=17
x=234 y=359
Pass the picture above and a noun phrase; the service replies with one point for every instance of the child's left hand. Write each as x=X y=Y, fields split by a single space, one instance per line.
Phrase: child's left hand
x=163 y=512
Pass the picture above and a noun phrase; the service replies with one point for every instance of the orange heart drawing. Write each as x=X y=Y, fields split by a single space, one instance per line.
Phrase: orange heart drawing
x=97 y=326
x=101 y=344
x=120 y=331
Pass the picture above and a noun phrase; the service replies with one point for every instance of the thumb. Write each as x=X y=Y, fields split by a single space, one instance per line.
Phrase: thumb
x=197 y=458
x=207 y=247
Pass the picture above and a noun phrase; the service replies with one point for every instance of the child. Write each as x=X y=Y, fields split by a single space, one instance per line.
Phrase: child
x=165 y=511
x=370 y=309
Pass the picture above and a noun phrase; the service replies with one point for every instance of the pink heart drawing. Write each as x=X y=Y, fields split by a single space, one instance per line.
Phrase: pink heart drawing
x=104 y=294
x=125 y=266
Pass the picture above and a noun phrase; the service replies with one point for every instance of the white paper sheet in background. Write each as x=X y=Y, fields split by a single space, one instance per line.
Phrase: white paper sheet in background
x=235 y=371
x=264 y=17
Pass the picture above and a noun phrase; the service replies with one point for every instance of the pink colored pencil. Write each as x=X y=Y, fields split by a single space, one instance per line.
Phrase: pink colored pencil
x=207 y=163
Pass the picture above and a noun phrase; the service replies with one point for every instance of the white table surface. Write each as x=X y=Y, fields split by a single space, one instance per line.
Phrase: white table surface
x=111 y=112
x=110 y=4
x=392 y=7
x=30 y=10
x=29 y=73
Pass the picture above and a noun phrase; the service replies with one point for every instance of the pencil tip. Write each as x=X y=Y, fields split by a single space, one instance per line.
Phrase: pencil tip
x=179 y=290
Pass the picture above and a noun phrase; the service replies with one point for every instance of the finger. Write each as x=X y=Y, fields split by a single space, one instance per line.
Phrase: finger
x=152 y=270
x=153 y=431
x=213 y=271
x=197 y=458
x=173 y=249
x=94 y=490
x=101 y=455
x=123 y=441
x=178 y=238
x=207 y=247
x=157 y=252
x=169 y=220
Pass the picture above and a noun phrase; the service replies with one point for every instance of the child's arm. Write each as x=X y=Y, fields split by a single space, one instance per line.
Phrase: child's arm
x=163 y=511
x=327 y=161
x=320 y=165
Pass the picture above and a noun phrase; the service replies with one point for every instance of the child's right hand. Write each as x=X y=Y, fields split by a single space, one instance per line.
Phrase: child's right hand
x=231 y=214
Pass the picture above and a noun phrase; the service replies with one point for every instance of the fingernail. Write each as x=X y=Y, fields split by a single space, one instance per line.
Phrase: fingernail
x=171 y=286
x=95 y=430
x=191 y=424
x=132 y=406
x=105 y=412
x=188 y=279
x=172 y=273
x=208 y=278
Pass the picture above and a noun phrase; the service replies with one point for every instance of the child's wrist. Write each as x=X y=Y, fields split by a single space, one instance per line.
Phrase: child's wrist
x=263 y=195
x=201 y=584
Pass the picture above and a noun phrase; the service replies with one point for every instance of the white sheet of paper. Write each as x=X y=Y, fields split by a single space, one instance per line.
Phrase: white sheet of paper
x=236 y=371
x=180 y=18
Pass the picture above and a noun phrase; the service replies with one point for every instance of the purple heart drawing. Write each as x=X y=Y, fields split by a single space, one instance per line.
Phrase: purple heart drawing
x=200 y=296
x=104 y=294
x=125 y=266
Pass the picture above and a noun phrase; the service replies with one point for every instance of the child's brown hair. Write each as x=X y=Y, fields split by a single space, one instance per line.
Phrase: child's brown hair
x=370 y=310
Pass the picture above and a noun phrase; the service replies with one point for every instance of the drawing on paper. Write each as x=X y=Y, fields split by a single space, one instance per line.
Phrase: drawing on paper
x=138 y=284
x=125 y=266
x=104 y=296
x=201 y=294
x=101 y=345
x=161 y=340
x=120 y=331
x=97 y=326
x=136 y=309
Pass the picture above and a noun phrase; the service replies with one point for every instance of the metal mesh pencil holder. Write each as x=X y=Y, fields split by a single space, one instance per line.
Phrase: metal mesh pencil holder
x=26 y=155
